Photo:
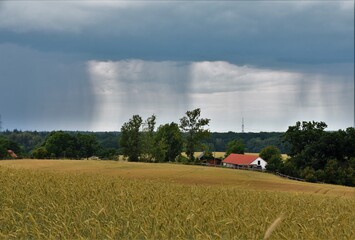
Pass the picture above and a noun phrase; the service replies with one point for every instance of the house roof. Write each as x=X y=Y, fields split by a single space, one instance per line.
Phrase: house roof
x=240 y=159
x=11 y=153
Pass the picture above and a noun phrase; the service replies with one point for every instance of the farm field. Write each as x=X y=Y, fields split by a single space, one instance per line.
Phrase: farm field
x=51 y=199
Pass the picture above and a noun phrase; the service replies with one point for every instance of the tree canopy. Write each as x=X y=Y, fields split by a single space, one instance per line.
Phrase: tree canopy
x=272 y=156
x=194 y=127
x=60 y=144
x=130 y=140
x=235 y=146
x=169 y=141
x=319 y=155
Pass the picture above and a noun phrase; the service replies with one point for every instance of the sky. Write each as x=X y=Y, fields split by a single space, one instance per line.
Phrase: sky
x=91 y=65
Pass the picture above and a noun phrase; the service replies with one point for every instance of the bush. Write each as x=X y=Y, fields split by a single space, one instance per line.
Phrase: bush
x=309 y=174
x=182 y=159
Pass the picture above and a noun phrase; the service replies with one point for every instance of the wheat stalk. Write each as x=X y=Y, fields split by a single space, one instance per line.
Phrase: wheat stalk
x=273 y=226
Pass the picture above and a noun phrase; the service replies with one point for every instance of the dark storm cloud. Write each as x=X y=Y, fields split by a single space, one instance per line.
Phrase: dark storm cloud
x=289 y=60
x=259 y=33
x=42 y=91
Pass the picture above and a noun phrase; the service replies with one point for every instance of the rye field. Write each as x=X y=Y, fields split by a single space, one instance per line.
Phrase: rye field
x=62 y=199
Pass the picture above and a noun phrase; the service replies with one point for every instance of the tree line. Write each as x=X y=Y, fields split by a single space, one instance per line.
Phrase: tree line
x=319 y=155
x=315 y=154
x=167 y=142
x=137 y=141
x=109 y=147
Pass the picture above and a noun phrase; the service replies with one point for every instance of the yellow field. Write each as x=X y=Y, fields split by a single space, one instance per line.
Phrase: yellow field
x=51 y=199
x=186 y=174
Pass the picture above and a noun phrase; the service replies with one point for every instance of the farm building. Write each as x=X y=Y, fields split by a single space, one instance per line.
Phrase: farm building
x=244 y=161
x=209 y=160
x=12 y=154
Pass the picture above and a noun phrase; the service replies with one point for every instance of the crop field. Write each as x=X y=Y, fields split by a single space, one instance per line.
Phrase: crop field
x=60 y=199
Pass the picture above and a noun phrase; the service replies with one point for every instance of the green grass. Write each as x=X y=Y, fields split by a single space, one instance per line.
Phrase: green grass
x=113 y=200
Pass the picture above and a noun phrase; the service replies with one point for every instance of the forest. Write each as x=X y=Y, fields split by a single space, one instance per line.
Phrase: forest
x=24 y=142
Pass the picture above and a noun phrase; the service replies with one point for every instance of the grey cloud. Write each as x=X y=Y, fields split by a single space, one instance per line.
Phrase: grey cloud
x=212 y=77
x=259 y=33
x=42 y=91
x=292 y=59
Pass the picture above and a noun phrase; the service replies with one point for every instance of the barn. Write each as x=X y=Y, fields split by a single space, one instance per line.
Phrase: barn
x=244 y=161
x=209 y=160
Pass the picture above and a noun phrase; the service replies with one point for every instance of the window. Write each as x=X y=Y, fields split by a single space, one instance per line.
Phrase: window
x=259 y=162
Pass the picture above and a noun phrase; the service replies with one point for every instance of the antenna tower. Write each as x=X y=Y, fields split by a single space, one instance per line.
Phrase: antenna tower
x=242 y=124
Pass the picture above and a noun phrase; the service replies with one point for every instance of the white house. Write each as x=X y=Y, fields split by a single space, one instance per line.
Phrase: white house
x=244 y=161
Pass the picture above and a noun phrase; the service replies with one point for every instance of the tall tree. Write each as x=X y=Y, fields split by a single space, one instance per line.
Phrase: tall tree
x=148 y=147
x=130 y=140
x=194 y=127
x=169 y=137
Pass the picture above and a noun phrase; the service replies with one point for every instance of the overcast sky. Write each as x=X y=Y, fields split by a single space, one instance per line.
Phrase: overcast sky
x=91 y=65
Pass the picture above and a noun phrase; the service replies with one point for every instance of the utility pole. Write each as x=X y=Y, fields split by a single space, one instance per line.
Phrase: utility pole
x=0 y=123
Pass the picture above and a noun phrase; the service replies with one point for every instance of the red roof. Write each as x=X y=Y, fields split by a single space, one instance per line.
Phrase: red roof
x=12 y=154
x=240 y=159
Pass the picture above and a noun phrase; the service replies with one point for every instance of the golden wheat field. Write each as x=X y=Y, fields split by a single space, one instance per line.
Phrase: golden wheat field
x=47 y=199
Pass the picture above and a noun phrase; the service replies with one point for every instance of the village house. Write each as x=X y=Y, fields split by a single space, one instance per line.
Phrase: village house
x=244 y=161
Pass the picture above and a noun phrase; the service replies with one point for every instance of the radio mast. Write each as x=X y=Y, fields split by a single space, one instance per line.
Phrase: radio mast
x=242 y=124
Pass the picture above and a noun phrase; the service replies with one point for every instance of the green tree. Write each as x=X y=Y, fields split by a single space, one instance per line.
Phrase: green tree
x=318 y=155
x=40 y=153
x=61 y=144
x=148 y=144
x=87 y=145
x=194 y=127
x=303 y=135
x=130 y=140
x=170 y=137
x=309 y=174
x=272 y=156
x=349 y=143
x=235 y=146
x=268 y=152
x=275 y=164
x=160 y=150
